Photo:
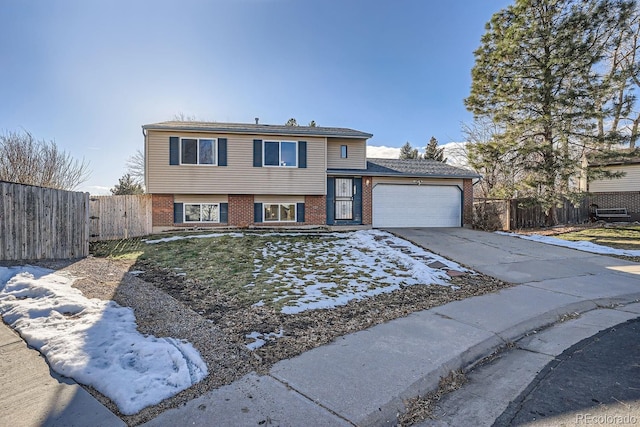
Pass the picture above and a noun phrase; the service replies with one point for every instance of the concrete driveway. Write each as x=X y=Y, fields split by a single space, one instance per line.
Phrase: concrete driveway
x=521 y=261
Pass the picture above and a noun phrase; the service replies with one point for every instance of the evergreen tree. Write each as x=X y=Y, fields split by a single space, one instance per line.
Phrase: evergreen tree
x=127 y=185
x=407 y=152
x=433 y=152
x=537 y=75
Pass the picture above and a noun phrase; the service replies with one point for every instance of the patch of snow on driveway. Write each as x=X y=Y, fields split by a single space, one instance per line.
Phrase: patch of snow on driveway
x=95 y=342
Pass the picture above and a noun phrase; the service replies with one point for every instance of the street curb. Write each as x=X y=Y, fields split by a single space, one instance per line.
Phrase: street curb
x=505 y=418
x=471 y=357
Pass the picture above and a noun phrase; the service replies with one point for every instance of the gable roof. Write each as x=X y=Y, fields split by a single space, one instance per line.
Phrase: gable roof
x=249 y=128
x=408 y=168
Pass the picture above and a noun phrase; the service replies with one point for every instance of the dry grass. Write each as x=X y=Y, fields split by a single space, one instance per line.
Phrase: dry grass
x=421 y=408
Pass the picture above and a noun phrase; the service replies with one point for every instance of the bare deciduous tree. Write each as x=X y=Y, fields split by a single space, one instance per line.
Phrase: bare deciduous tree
x=135 y=167
x=27 y=160
x=182 y=117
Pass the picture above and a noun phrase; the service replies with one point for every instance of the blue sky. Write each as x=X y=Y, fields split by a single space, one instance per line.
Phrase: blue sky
x=88 y=74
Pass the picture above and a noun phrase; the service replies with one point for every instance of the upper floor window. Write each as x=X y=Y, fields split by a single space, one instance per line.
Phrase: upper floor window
x=343 y=151
x=197 y=151
x=281 y=153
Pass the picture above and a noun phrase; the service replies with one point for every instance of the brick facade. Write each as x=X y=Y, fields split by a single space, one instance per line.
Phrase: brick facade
x=240 y=210
x=619 y=199
x=315 y=210
x=367 y=201
x=162 y=210
x=467 y=205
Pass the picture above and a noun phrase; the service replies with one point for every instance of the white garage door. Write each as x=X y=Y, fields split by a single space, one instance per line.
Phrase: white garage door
x=416 y=206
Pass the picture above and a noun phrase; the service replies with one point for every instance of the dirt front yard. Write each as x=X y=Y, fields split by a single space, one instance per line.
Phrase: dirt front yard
x=246 y=301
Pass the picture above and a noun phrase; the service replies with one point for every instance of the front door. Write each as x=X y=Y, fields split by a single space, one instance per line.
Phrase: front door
x=344 y=199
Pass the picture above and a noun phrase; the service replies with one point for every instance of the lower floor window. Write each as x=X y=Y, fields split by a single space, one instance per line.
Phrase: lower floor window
x=283 y=212
x=201 y=212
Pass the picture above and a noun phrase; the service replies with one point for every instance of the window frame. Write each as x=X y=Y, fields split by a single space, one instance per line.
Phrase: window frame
x=280 y=204
x=279 y=165
x=344 y=151
x=184 y=213
x=214 y=151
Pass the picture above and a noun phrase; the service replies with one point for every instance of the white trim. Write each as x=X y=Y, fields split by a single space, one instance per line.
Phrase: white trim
x=184 y=212
x=279 y=165
x=197 y=139
x=295 y=212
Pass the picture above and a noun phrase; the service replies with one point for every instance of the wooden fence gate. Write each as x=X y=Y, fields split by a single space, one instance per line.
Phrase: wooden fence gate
x=119 y=217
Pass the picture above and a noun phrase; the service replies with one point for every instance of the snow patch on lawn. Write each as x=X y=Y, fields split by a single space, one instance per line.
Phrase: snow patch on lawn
x=332 y=269
x=261 y=339
x=579 y=245
x=95 y=342
x=351 y=266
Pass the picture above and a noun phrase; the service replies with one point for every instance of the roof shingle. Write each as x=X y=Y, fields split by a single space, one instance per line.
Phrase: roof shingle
x=249 y=128
x=410 y=168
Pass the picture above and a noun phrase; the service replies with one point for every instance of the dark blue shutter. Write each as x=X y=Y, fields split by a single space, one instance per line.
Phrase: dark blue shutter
x=224 y=212
x=357 y=200
x=300 y=212
x=222 y=151
x=178 y=213
x=257 y=212
x=257 y=153
x=302 y=154
x=174 y=150
x=331 y=195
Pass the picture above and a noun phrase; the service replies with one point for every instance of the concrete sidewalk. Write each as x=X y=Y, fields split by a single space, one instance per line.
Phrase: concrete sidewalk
x=364 y=378
x=31 y=394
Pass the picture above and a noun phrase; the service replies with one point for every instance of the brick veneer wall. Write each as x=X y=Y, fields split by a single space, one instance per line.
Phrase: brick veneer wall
x=619 y=199
x=367 y=201
x=315 y=210
x=162 y=210
x=467 y=207
x=240 y=210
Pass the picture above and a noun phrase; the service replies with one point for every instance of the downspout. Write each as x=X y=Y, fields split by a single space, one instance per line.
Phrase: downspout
x=144 y=152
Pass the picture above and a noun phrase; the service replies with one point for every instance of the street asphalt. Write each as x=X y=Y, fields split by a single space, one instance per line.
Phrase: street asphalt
x=596 y=381
x=364 y=378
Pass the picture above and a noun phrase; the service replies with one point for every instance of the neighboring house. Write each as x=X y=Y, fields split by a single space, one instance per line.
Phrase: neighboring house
x=620 y=192
x=207 y=174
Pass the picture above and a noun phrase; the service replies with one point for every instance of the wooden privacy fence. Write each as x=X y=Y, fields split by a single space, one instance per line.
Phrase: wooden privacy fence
x=42 y=223
x=119 y=217
x=513 y=214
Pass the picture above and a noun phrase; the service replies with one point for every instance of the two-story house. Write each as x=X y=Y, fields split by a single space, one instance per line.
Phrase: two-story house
x=206 y=174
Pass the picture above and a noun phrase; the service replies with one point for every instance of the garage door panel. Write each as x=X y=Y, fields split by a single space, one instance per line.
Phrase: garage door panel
x=416 y=206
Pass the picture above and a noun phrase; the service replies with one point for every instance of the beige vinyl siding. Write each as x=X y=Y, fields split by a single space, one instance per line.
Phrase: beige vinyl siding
x=200 y=198
x=279 y=199
x=356 y=154
x=629 y=182
x=423 y=181
x=239 y=176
